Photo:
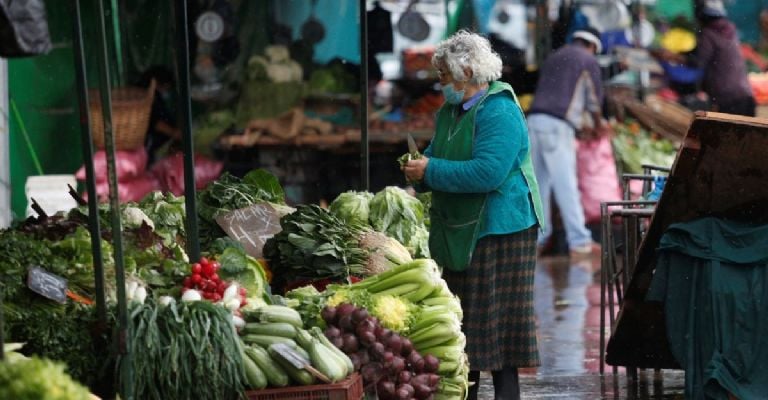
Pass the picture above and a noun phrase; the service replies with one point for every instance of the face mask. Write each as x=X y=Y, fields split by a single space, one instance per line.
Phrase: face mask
x=452 y=95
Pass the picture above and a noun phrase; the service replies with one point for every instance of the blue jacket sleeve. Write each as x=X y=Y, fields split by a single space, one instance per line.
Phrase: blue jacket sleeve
x=499 y=132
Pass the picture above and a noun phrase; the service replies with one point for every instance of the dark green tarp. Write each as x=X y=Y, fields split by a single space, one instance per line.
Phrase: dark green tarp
x=711 y=275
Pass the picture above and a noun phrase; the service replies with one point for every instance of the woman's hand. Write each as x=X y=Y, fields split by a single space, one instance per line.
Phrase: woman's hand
x=414 y=169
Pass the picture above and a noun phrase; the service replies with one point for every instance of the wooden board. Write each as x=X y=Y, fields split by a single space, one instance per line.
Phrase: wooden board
x=720 y=170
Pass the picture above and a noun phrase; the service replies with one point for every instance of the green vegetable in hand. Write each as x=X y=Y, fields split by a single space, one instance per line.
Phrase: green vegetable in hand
x=402 y=160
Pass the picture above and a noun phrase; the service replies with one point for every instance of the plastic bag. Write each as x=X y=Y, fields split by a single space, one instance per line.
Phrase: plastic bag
x=170 y=172
x=133 y=189
x=128 y=165
x=23 y=28
x=598 y=179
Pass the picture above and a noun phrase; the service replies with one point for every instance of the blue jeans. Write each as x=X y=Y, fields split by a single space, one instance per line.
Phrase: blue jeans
x=554 y=161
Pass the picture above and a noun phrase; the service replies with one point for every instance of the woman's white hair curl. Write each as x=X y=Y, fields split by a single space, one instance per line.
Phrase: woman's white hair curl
x=468 y=50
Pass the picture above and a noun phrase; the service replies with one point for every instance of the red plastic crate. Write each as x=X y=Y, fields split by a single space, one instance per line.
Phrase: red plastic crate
x=348 y=389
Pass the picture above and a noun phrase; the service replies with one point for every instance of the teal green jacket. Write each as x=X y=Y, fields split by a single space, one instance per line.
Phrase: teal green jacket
x=501 y=144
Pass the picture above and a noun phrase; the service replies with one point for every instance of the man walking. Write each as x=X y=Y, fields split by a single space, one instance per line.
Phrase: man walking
x=569 y=85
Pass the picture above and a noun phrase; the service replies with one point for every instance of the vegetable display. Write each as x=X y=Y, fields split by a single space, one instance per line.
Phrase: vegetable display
x=49 y=329
x=387 y=361
x=401 y=216
x=391 y=211
x=269 y=327
x=635 y=146
x=37 y=378
x=186 y=350
x=352 y=207
x=355 y=300
x=431 y=321
x=316 y=245
x=230 y=193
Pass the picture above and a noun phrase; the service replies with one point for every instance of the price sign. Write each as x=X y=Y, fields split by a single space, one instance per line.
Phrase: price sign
x=251 y=226
x=47 y=284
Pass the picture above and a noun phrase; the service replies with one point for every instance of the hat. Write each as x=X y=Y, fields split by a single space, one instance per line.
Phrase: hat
x=590 y=35
x=713 y=8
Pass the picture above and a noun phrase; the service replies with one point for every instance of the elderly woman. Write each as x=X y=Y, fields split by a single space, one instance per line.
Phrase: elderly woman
x=485 y=210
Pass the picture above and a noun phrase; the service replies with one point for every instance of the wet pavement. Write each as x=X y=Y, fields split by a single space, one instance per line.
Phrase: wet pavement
x=568 y=314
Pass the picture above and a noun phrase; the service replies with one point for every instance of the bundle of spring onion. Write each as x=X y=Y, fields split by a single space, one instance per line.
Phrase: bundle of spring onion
x=186 y=350
x=413 y=300
x=314 y=244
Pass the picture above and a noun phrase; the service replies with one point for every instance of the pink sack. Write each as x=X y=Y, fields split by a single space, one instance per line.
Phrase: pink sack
x=133 y=189
x=598 y=179
x=128 y=164
x=170 y=172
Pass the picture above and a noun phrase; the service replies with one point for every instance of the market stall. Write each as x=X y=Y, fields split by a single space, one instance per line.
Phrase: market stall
x=227 y=284
x=716 y=174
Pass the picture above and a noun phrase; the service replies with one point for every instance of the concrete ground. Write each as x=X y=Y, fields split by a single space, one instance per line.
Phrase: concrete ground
x=568 y=314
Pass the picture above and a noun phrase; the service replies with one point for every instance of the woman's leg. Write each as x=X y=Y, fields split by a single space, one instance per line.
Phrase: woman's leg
x=474 y=376
x=506 y=384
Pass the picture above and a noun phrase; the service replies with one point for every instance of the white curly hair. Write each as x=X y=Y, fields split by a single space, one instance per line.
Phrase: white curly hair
x=468 y=50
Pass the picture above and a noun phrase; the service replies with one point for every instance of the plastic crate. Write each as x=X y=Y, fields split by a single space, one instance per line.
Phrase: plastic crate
x=348 y=389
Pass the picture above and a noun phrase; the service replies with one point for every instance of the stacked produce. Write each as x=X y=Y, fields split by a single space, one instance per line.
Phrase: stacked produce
x=204 y=282
x=388 y=362
x=211 y=328
x=392 y=211
x=23 y=378
x=314 y=246
x=412 y=301
x=269 y=327
x=230 y=193
x=634 y=146
x=186 y=350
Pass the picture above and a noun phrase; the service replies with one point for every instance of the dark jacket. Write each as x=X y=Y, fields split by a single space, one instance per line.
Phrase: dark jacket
x=718 y=53
x=570 y=83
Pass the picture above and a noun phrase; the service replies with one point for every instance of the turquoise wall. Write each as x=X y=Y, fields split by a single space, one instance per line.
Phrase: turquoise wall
x=342 y=26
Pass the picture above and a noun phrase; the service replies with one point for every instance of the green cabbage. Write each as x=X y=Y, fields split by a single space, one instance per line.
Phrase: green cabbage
x=352 y=206
x=401 y=216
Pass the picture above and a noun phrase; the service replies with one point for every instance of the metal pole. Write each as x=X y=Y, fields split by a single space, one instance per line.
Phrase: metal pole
x=123 y=333
x=90 y=180
x=2 y=328
x=182 y=73
x=365 y=156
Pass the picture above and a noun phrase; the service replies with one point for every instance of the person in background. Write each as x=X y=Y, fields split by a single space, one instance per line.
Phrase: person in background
x=485 y=209
x=162 y=121
x=570 y=85
x=718 y=54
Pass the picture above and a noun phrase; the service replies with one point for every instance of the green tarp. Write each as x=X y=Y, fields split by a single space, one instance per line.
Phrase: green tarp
x=712 y=276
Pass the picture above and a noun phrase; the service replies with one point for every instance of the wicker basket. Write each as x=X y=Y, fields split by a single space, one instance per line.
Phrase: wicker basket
x=348 y=389
x=131 y=108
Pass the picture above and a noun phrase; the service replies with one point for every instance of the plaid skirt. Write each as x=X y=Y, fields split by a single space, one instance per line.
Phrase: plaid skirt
x=496 y=293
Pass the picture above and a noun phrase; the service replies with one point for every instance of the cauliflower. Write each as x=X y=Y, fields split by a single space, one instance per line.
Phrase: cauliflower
x=133 y=217
x=393 y=312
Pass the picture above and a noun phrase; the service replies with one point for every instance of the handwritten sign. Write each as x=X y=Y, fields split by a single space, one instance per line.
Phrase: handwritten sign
x=251 y=226
x=47 y=284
